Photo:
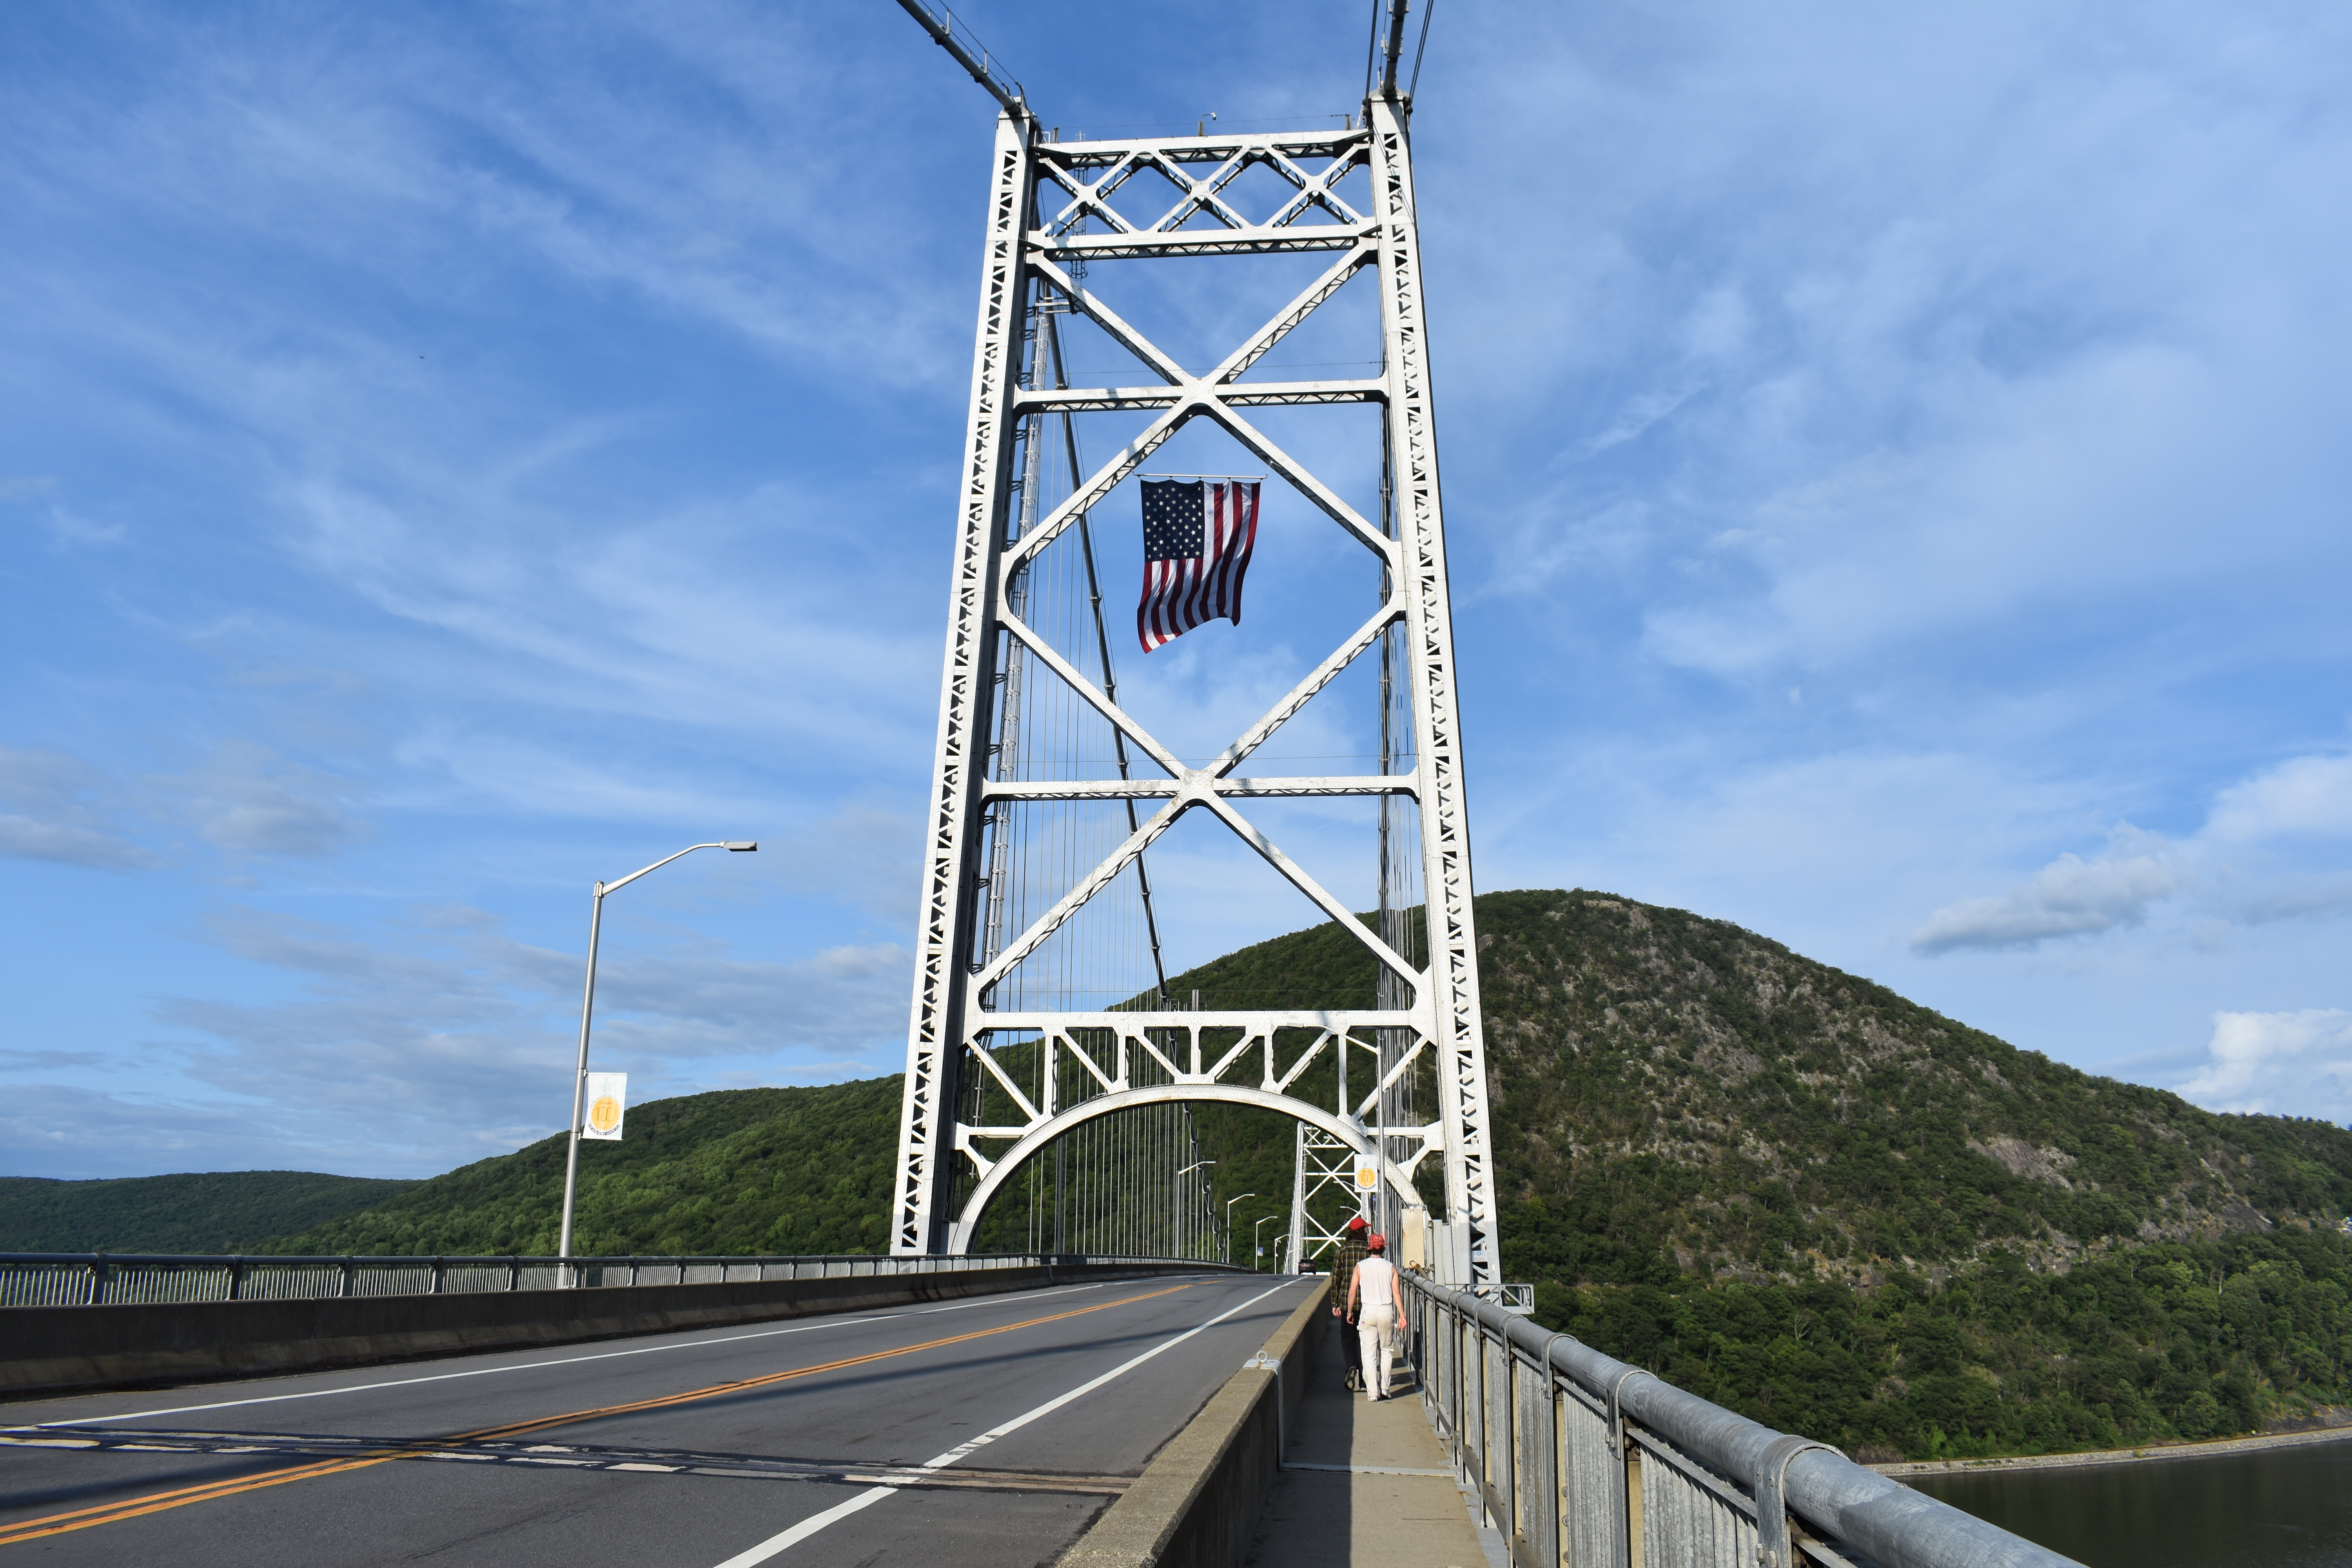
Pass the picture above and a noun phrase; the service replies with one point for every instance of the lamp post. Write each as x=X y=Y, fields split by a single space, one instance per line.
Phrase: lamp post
x=587 y=1008
x=1176 y=1203
x=1229 y=1224
x=1255 y=1253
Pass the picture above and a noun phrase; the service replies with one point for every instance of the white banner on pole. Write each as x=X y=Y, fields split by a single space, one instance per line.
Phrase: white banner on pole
x=608 y=1097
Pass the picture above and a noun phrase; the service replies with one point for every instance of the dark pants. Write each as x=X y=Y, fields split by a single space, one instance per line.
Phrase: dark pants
x=1351 y=1348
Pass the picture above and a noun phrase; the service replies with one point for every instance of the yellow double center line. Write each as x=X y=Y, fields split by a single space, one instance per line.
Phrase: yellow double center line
x=156 y=1503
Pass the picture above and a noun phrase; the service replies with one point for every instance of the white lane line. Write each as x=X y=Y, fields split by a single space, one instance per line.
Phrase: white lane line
x=814 y=1522
x=564 y=1361
x=808 y=1527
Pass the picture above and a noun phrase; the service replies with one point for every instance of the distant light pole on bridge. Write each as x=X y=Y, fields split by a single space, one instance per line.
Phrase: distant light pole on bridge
x=1176 y=1196
x=587 y=1009
x=1258 y=1251
x=1229 y=1224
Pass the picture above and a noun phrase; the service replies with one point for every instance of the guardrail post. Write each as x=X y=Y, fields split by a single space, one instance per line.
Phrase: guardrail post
x=514 y=1272
x=97 y=1279
x=1632 y=1505
x=1773 y=1547
x=349 y=1269
x=236 y=1279
x=440 y=1267
x=1507 y=1421
x=634 y=1261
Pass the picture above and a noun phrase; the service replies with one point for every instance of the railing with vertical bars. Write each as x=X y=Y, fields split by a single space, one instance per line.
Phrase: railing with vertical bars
x=1582 y=1459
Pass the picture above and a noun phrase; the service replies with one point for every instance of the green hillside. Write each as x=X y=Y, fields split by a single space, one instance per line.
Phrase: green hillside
x=1798 y=1194
x=736 y=1171
x=219 y=1211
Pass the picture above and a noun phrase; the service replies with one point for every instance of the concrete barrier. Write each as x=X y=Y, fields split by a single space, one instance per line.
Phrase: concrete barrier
x=1197 y=1503
x=62 y=1350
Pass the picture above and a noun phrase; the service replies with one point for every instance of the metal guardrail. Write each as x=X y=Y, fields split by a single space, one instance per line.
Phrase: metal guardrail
x=98 y=1278
x=1581 y=1458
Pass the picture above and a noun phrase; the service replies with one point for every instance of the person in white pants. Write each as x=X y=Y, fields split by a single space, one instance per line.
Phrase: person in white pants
x=1375 y=1281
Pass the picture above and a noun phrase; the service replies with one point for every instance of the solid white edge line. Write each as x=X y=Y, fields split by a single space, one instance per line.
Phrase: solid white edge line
x=840 y=1322
x=786 y=1539
x=806 y=1528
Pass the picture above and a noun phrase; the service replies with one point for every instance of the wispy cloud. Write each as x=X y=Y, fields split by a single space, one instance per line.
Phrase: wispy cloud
x=2289 y=1064
x=2069 y=897
x=247 y=799
x=2305 y=795
x=60 y=808
x=68 y=530
x=2225 y=868
x=439 y=1038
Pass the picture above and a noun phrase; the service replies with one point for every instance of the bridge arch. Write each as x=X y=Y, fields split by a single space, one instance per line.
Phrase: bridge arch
x=1039 y=1136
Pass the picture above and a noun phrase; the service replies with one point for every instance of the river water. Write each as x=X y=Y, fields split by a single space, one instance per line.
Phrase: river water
x=2277 y=1507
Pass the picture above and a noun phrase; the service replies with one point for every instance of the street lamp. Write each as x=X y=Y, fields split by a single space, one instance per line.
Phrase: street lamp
x=1229 y=1224
x=1176 y=1204
x=587 y=1008
x=1256 y=1252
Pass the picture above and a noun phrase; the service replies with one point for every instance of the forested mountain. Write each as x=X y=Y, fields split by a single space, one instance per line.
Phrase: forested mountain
x=218 y=1211
x=1683 y=1095
x=736 y=1171
x=1846 y=1215
x=1777 y=1184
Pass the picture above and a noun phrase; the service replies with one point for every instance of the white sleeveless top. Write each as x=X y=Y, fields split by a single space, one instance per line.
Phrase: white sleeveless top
x=1376 y=1282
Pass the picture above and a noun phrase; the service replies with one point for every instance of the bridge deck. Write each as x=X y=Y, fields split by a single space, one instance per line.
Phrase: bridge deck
x=851 y=1439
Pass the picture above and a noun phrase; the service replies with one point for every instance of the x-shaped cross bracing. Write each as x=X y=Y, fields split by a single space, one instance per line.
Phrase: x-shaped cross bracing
x=1183 y=398
x=1121 y=161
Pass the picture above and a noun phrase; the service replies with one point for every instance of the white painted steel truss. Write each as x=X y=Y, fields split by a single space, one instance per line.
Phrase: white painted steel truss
x=1044 y=193
x=1319 y=1163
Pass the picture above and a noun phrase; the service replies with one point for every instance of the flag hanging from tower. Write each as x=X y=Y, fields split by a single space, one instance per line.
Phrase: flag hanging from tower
x=1197 y=537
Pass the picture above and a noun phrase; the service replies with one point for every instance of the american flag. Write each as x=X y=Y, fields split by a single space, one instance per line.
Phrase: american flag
x=1197 y=536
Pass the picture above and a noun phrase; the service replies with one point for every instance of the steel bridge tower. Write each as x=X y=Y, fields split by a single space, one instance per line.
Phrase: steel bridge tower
x=990 y=1082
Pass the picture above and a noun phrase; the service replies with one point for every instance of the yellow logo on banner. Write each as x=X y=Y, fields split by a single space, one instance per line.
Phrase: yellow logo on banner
x=1367 y=1177
x=608 y=1101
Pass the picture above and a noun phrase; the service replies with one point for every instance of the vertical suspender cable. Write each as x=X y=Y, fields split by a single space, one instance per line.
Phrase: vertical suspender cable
x=1110 y=678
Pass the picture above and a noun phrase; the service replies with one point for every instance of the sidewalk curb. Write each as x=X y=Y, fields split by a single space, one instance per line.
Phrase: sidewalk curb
x=1197 y=1503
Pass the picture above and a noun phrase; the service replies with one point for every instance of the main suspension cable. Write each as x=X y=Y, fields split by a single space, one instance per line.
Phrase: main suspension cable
x=982 y=67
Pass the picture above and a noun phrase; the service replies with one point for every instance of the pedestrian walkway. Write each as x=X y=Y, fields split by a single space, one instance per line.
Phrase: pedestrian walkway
x=1367 y=1485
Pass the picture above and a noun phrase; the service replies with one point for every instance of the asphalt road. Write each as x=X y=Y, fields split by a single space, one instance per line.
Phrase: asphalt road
x=978 y=1433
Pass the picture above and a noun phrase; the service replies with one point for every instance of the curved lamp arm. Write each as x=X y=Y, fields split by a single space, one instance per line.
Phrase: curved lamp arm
x=587 y=1010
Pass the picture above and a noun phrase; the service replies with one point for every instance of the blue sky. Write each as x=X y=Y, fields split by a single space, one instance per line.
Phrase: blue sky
x=1894 y=469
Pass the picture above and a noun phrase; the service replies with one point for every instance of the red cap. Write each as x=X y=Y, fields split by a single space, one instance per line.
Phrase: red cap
x=1356 y=1223
x=1377 y=1242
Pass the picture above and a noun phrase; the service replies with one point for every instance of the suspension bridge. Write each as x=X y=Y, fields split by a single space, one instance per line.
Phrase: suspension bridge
x=1052 y=1363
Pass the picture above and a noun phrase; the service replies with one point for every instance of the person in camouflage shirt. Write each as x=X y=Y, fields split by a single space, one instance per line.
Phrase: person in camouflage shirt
x=1351 y=1251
